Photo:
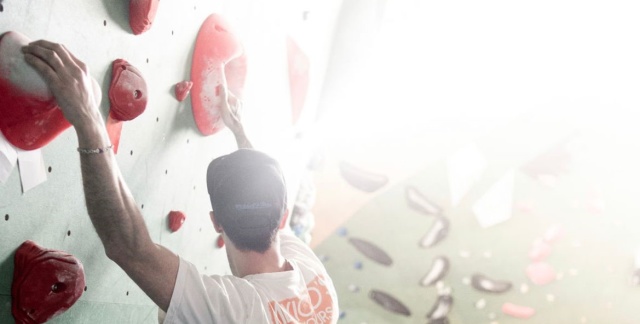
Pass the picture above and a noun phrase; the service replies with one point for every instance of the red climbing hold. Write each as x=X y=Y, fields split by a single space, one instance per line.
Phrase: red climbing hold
x=182 y=89
x=217 y=54
x=176 y=219
x=128 y=97
x=29 y=116
x=142 y=13
x=220 y=241
x=45 y=283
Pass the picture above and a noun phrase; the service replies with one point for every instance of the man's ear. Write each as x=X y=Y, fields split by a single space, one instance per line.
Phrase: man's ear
x=285 y=219
x=216 y=225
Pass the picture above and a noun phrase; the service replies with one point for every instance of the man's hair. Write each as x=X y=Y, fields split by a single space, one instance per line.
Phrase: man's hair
x=248 y=197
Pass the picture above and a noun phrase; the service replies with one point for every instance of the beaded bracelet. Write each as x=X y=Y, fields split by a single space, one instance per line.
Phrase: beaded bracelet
x=95 y=151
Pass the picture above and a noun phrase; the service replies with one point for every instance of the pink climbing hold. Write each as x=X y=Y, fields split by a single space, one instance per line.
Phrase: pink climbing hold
x=540 y=273
x=176 y=219
x=182 y=89
x=539 y=250
x=142 y=13
x=518 y=311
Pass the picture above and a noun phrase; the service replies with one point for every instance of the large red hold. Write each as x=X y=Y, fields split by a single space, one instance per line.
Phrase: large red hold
x=217 y=54
x=128 y=97
x=29 y=116
x=45 y=283
x=142 y=13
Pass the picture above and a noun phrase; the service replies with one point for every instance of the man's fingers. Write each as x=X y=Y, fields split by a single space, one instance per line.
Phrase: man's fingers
x=45 y=70
x=61 y=52
x=45 y=55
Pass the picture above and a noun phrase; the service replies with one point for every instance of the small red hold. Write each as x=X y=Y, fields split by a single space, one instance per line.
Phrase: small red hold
x=142 y=13
x=176 y=219
x=45 y=283
x=220 y=242
x=182 y=89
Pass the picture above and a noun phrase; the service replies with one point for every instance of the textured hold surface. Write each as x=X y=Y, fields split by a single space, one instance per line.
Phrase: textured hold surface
x=142 y=13
x=128 y=91
x=176 y=219
x=29 y=117
x=216 y=48
x=128 y=97
x=371 y=251
x=45 y=283
x=389 y=302
x=361 y=179
x=182 y=89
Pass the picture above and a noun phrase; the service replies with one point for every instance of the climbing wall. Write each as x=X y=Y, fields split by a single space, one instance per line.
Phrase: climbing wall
x=162 y=155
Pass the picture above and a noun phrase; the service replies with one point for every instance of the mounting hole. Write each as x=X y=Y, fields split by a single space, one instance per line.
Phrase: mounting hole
x=172 y=33
x=127 y=293
x=131 y=153
x=1 y=7
x=49 y=169
x=137 y=94
x=58 y=287
x=104 y=23
x=157 y=119
x=85 y=288
x=147 y=60
x=69 y=233
x=142 y=206
x=6 y=217
x=166 y=171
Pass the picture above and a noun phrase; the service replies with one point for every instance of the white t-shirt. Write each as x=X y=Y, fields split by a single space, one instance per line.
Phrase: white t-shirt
x=303 y=295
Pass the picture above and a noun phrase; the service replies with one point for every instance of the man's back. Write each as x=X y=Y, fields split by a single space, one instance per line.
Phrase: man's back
x=302 y=295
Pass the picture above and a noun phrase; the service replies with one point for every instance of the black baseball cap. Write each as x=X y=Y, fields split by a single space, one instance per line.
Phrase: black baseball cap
x=247 y=191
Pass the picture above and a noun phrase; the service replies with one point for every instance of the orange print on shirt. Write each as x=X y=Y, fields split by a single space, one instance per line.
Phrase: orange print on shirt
x=316 y=308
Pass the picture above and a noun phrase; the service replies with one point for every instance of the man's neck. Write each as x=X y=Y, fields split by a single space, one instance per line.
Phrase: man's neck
x=244 y=263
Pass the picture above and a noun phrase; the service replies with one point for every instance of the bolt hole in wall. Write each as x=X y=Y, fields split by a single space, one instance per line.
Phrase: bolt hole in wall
x=104 y=23
x=69 y=233
x=49 y=169
x=6 y=217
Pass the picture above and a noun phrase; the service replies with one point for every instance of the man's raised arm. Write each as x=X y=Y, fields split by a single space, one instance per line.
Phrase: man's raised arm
x=112 y=209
